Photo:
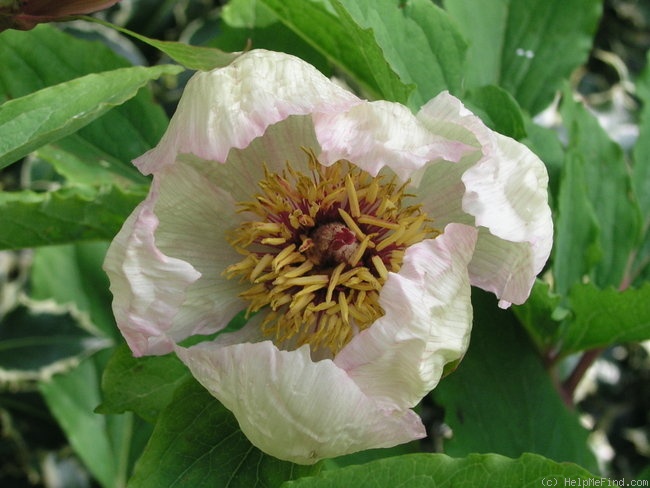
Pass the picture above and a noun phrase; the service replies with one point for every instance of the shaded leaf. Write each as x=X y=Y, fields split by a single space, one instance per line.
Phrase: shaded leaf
x=142 y=385
x=501 y=400
x=79 y=266
x=38 y=339
x=107 y=445
x=539 y=315
x=192 y=57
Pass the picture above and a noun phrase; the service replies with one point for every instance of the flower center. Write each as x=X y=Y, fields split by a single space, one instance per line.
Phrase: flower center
x=318 y=249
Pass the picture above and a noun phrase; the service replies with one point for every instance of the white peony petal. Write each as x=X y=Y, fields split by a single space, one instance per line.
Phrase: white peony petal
x=378 y=134
x=148 y=287
x=160 y=298
x=229 y=107
x=505 y=191
x=244 y=168
x=293 y=408
x=427 y=322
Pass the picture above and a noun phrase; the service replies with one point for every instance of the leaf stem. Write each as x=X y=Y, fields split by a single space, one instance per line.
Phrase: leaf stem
x=571 y=383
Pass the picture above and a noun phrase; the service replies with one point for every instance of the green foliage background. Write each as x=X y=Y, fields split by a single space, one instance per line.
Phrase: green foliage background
x=81 y=100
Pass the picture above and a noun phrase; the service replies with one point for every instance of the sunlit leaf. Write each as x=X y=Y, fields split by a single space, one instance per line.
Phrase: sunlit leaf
x=29 y=219
x=604 y=317
x=527 y=48
x=330 y=29
x=54 y=112
x=441 y=471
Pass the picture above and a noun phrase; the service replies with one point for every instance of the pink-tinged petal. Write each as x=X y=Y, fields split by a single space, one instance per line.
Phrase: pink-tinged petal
x=159 y=297
x=229 y=107
x=296 y=409
x=511 y=283
x=147 y=286
x=505 y=192
x=378 y=134
x=427 y=322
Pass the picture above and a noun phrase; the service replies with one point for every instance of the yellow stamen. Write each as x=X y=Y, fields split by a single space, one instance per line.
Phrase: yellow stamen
x=337 y=233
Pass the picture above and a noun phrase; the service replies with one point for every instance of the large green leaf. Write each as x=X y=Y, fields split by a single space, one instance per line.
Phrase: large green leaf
x=606 y=180
x=441 y=471
x=197 y=443
x=29 y=219
x=49 y=114
x=142 y=385
x=498 y=109
x=601 y=318
x=501 y=400
x=577 y=232
x=250 y=23
x=331 y=29
x=420 y=42
x=641 y=178
x=106 y=444
x=528 y=47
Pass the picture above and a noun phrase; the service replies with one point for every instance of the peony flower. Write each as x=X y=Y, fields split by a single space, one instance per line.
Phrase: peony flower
x=26 y=14
x=350 y=232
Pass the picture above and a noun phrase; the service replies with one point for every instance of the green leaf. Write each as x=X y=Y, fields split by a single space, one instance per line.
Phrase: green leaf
x=498 y=109
x=79 y=267
x=539 y=315
x=441 y=471
x=251 y=23
x=605 y=317
x=501 y=400
x=54 y=112
x=192 y=57
x=577 y=246
x=40 y=338
x=640 y=270
x=419 y=41
x=546 y=144
x=29 y=219
x=641 y=168
x=197 y=443
x=330 y=29
x=107 y=445
x=46 y=56
x=527 y=48
x=608 y=186
x=141 y=385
